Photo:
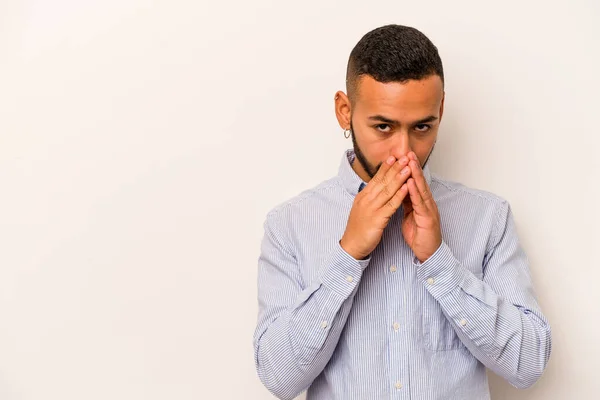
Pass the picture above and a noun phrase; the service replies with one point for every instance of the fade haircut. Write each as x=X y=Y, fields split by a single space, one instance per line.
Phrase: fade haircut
x=392 y=53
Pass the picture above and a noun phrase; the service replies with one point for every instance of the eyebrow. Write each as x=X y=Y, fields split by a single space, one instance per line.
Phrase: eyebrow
x=394 y=122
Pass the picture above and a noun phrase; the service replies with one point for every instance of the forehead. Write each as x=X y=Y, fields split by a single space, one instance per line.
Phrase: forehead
x=419 y=96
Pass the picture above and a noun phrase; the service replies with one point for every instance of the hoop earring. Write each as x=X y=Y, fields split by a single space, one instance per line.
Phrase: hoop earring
x=348 y=133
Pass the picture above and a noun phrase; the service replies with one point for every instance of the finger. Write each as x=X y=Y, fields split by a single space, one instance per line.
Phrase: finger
x=394 y=180
x=379 y=177
x=415 y=197
x=394 y=202
x=421 y=182
x=385 y=183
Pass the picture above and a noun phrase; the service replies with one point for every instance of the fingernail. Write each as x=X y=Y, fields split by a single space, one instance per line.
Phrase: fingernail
x=390 y=160
x=405 y=170
x=403 y=159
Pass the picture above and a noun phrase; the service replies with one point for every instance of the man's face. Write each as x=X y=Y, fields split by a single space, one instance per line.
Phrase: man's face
x=393 y=119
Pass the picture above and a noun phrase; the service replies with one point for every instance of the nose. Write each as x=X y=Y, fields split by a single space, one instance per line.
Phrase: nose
x=400 y=145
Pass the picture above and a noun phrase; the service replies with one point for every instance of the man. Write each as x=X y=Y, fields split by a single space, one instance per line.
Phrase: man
x=387 y=281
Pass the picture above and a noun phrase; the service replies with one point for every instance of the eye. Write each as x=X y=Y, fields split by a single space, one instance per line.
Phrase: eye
x=380 y=125
x=422 y=127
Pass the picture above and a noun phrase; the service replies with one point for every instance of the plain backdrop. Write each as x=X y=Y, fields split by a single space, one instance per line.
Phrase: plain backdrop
x=143 y=142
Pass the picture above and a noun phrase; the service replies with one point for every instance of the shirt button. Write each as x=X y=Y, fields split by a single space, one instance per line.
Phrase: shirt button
x=398 y=385
x=324 y=324
x=393 y=268
x=431 y=281
x=349 y=278
x=396 y=326
x=463 y=322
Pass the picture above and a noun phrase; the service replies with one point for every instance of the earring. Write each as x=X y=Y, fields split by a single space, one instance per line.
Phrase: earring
x=346 y=133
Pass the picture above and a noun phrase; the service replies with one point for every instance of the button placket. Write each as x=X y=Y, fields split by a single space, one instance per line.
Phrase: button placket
x=396 y=308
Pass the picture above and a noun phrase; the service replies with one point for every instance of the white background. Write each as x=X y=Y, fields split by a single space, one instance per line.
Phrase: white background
x=143 y=142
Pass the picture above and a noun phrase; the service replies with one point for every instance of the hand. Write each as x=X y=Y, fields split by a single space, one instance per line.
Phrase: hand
x=374 y=206
x=421 y=222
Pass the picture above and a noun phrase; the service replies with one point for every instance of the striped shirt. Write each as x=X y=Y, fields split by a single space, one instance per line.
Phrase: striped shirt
x=391 y=327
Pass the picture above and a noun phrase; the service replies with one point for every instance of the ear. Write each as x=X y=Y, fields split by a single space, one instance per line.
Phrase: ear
x=343 y=109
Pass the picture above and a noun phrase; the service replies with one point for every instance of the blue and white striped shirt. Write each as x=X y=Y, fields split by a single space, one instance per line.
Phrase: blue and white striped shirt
x=390 y=327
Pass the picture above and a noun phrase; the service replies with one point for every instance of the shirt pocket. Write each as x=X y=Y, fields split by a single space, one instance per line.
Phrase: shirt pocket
x=438 y=333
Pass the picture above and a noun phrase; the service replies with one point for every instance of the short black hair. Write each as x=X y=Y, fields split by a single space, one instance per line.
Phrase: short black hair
x=392 y=53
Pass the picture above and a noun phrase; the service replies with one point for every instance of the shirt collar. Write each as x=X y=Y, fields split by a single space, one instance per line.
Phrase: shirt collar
x=354 y=183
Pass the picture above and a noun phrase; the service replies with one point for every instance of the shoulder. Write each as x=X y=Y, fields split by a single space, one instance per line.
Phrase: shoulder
x=468 y=204
x=306 y=200
x=447 y=188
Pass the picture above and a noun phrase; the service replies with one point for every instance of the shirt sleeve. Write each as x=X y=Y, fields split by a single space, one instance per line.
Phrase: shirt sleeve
x=498 y=317
x=299 y=325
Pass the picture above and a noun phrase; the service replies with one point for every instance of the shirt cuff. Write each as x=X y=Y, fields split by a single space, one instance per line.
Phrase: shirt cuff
x=441 y=273
x=342 y=271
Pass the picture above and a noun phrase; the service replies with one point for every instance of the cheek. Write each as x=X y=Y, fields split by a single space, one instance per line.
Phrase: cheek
x=376 y=149
x=422 y=148
x=380 y=152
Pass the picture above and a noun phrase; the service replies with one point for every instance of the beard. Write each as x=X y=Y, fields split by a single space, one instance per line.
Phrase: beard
x=370 y=169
